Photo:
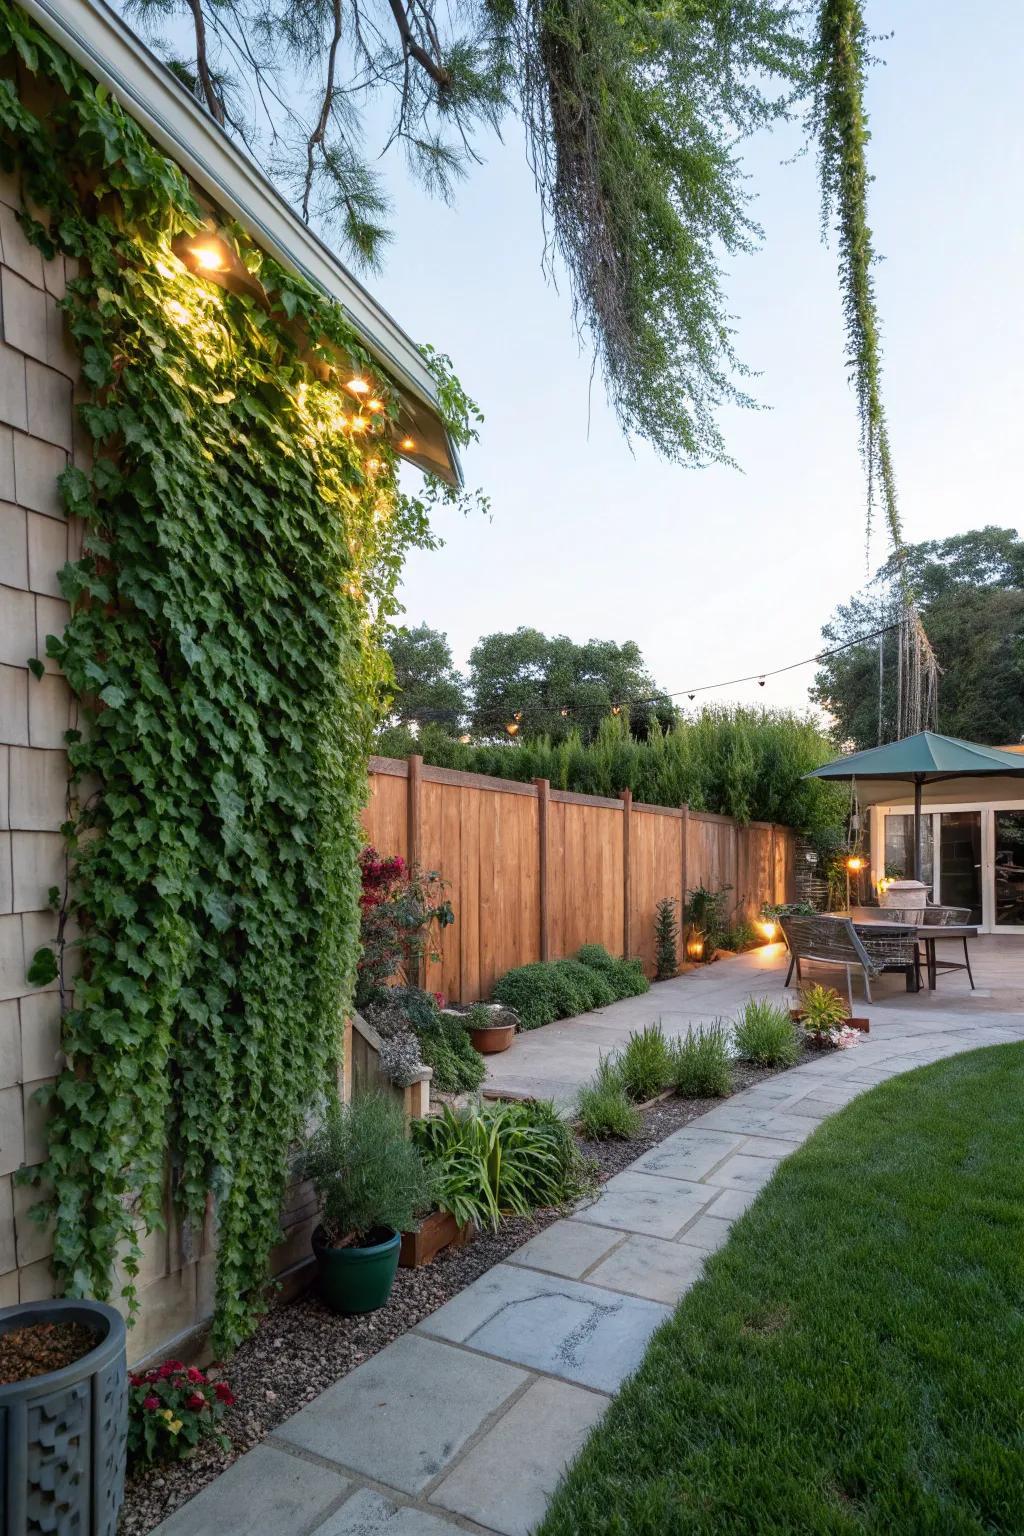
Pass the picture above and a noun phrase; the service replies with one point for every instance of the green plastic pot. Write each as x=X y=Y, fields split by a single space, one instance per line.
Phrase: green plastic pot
x=356 y=1279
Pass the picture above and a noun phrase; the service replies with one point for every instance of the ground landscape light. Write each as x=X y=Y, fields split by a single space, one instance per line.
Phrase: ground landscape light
x=358 y=386
x=408 y=444
x=209 y=256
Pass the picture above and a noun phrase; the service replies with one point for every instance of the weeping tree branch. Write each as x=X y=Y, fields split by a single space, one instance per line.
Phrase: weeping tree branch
x=840 y=121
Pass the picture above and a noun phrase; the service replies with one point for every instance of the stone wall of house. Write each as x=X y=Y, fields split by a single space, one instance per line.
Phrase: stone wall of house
x=38 y=437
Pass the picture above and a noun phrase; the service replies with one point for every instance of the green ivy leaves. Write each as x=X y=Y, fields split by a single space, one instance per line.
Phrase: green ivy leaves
x=238 y=567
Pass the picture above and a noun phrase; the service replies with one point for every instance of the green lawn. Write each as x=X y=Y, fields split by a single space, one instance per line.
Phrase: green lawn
x=853 y=1359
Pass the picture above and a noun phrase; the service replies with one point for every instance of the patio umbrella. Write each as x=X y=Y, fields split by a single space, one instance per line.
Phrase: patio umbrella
x=926 y=758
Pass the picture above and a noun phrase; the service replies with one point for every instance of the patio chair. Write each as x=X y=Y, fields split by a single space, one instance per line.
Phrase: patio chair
x=835 y=941
x=939 y=916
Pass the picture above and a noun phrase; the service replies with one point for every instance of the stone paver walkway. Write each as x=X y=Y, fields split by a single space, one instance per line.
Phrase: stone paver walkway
x=466 y=1422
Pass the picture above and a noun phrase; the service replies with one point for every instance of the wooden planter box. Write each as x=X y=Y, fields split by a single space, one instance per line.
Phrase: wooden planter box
x=438 y=1230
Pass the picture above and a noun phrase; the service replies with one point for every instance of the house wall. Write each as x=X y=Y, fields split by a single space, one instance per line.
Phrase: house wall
x=38 y=438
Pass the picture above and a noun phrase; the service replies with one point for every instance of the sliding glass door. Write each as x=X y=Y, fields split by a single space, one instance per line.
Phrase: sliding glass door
x=1008 y=865
x=960 y=861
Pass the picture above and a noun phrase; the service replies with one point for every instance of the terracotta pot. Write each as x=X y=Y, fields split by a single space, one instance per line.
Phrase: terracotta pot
x=489 y=1039
x=438 y=1230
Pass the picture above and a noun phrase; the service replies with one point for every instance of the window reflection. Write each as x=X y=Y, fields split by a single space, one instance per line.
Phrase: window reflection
x=1009 y=870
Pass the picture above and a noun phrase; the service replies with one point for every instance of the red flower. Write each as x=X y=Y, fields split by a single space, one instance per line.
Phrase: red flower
x=195 y=1400
x=174 y=1365
x=151 y=1402
x=194 y=1374
x=224 y=1393
x=136 y=1381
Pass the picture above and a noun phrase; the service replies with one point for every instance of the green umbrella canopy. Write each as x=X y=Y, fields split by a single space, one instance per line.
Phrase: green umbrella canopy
x=926 y=758
x=926 y=755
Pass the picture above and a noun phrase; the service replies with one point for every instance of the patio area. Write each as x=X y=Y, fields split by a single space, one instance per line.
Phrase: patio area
x=555 y=1061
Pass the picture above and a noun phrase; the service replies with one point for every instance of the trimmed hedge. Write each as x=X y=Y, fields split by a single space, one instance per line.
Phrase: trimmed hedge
x=559 y=989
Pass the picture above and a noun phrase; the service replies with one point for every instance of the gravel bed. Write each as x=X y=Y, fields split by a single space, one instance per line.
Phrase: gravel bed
x=301 y=1348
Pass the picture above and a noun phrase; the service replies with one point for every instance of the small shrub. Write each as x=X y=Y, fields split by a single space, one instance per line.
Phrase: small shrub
x=666 y=940
x=603 y=1109
x=823 y=1009
x=448 y=1050
x=365 y=1172
x=740 y=937
x=645 y=1065
x=531 y=991
x=765 y=1035
x=172 y=1409
x=702 y=1063
x=478 y=1017
x=626 y=977
x=583 y=986
x=706 y=910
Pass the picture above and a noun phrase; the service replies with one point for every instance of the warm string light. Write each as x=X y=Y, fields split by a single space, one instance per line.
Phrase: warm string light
x=210 y=255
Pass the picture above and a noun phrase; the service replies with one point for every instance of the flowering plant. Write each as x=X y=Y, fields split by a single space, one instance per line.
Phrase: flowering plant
x=171 y=1409
x=402 y=907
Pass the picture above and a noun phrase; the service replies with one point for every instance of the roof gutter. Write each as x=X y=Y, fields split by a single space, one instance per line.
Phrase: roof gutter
x=94 y=35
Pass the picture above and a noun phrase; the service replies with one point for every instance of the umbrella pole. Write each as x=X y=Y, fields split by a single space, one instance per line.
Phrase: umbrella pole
x=917 y=828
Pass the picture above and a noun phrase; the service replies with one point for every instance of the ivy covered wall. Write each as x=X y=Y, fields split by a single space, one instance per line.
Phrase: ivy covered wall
x=243 y=539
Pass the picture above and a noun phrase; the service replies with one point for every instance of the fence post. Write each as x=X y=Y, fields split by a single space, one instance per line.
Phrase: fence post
x=414 y=837
x=684 y=866
x=626 y=796
x=774 y=887
x=543 y=801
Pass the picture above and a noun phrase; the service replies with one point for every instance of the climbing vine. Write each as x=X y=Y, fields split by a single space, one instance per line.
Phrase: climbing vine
x=244 y=538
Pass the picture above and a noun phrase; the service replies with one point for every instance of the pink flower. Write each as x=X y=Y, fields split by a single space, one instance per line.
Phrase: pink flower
x=151 y=1402
x=224 y=1393
x=195 y=1400
x=194 y=1374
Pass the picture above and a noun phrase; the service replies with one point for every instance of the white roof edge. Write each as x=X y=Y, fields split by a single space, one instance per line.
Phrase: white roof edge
x=93 y=33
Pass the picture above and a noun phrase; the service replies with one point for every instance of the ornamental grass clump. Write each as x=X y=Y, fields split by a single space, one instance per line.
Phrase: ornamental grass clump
x=369 y=1178
x=645 y=1065
x=764 y=1034
x=603 y=1108
x=173 y=1409
x=500 y=1159
x=702 y=1063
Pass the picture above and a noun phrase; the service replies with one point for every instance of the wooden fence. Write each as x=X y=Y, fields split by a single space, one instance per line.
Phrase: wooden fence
x=534 y=872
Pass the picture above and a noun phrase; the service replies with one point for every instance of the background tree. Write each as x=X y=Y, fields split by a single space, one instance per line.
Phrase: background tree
x=428 y=688
x=550 y=686
x=971 y=591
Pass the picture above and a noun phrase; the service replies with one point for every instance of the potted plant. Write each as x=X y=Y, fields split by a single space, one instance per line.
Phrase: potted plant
x=370 y=1181
x=825 y=1016
x=491 y=1027
x=64 y=1417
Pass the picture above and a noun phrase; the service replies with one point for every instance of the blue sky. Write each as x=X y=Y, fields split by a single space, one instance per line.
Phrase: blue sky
x=717 y=573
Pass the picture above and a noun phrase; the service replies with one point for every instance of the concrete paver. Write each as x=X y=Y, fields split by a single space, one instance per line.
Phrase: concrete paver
x=403 y=1415
x=651 y=1267
x=265 y=1488
x=563 y=1327
x=643 y=1202
x=505 y=1481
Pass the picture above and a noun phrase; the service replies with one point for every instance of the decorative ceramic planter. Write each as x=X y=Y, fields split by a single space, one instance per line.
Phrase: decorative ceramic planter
x=63 y=1435
x=489 y=1039
x=355 y=1279
x=437 y=1231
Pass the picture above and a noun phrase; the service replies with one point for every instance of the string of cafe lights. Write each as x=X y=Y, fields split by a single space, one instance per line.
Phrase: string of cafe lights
x=513 y=725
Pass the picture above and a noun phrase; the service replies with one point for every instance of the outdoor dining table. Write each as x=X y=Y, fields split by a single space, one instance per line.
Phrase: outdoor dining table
x=927 y=933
